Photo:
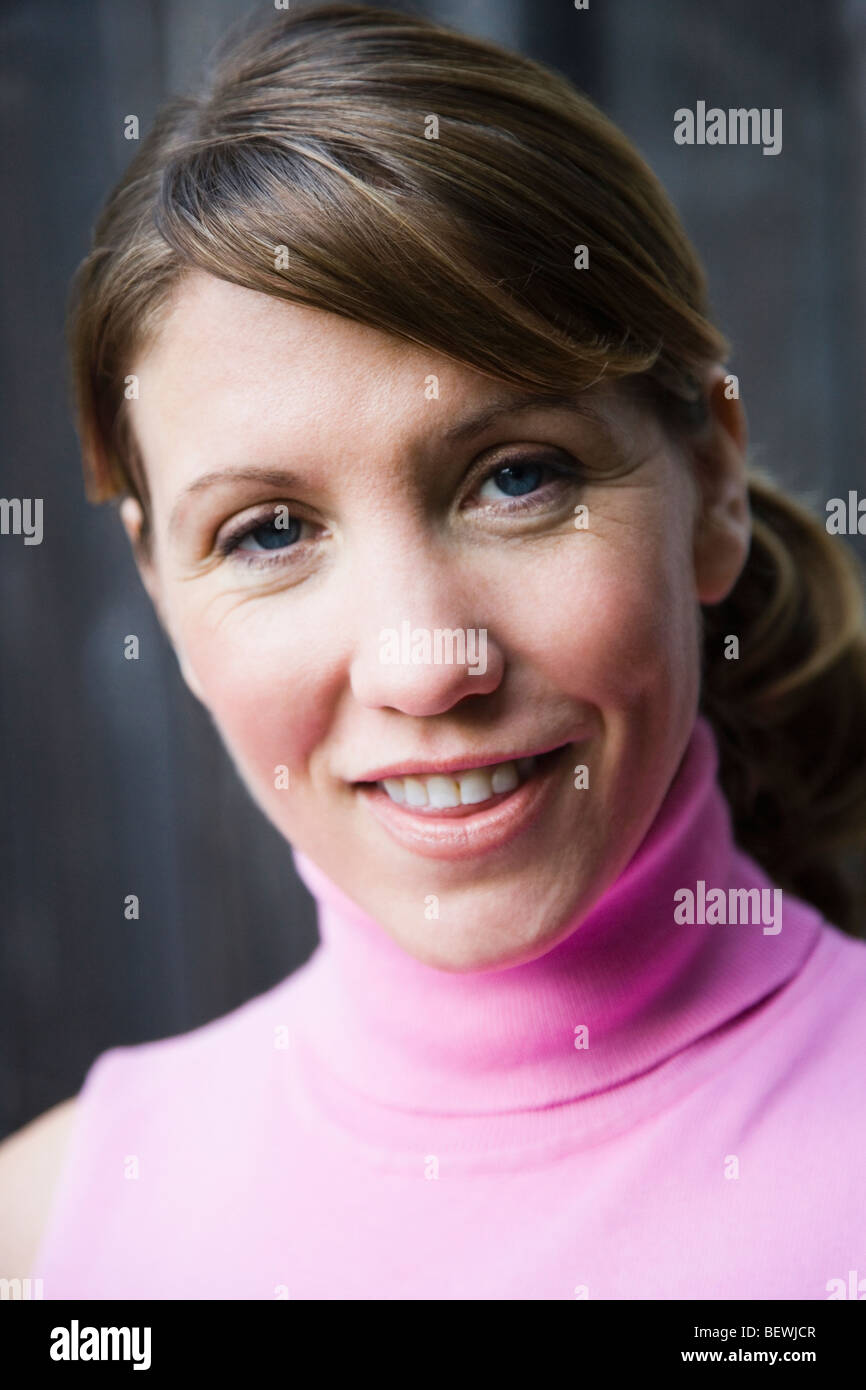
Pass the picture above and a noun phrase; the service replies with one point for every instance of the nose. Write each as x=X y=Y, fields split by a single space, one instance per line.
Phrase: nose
x=424 y=645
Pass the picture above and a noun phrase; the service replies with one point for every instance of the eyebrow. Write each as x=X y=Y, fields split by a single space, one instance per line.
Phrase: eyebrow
x=513 y=405
x=273 y=477
x=473 y=424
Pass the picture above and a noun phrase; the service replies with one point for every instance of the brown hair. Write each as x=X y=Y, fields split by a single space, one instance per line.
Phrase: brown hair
x=436 y=186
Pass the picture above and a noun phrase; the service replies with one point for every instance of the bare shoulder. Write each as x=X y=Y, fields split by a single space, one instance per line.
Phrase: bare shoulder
x=31 y=1161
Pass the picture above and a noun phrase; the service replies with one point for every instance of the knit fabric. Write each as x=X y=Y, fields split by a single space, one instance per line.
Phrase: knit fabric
x=657 y=1108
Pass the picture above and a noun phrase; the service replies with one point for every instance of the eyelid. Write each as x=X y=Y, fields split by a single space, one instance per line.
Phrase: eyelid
x=564 y=467
x=250 y=520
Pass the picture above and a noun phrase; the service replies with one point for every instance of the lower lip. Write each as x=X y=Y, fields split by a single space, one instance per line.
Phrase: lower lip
x=474 y=832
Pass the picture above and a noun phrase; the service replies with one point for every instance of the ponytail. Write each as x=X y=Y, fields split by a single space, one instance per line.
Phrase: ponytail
x=790 y=712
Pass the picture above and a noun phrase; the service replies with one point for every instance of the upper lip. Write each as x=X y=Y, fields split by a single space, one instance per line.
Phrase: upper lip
x=433 y=767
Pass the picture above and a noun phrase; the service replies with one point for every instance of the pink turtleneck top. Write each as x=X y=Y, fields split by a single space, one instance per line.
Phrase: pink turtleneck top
x=655 y=1109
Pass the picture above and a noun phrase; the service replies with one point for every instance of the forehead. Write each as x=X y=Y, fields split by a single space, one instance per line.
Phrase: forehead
x=242 y=351
x=234 y=376
x=230 y=368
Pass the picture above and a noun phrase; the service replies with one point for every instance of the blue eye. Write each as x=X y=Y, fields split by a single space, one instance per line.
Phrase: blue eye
x=269 y=535
x=518 y=479
x=515 y=480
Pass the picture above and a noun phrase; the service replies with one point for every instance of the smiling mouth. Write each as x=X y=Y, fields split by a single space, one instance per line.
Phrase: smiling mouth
x=458 y=794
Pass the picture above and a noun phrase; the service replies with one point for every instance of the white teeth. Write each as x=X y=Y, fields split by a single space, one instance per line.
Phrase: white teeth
x=416 y=792
x=443 y=791
x=463 y=789
x=474 y=786
x=505 y=778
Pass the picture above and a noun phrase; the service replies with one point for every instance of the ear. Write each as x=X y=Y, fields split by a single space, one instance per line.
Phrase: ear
x=723 y=523
x=132 y=517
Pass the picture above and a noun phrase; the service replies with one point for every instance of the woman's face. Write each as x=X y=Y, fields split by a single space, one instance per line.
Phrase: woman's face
x=371 y=566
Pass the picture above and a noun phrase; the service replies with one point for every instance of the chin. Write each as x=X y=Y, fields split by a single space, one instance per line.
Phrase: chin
x=489 y=934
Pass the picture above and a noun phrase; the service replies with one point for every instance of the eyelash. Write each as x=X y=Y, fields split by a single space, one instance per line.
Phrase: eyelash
x=562 y=471
x=230 y=544
x=535 y=501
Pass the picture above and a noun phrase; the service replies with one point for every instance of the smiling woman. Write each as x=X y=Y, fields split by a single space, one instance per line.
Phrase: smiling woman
x=374 y=394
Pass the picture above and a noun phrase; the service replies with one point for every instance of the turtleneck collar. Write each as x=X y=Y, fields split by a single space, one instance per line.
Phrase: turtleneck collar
x=396 y=1031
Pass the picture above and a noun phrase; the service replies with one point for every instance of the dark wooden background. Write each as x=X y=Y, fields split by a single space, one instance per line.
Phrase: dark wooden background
x=114 y=781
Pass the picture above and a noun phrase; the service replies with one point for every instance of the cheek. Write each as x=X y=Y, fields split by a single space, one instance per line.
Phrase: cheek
x=614 y=623
x=609 y=618
x=261 y=678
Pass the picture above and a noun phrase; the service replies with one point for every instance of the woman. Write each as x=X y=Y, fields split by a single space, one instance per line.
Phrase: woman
x=399 y=360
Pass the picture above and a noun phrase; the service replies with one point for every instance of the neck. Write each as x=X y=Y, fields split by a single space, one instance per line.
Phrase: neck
x=627 y=987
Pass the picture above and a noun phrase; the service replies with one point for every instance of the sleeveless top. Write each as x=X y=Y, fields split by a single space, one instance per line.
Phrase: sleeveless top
x=667 y=1105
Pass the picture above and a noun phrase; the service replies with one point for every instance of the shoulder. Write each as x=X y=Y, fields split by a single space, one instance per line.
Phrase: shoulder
x=826 y=997
x=840 y=1000
x=840 y=964
x=161 y=1082
x=215 y=1057
x=31 y=1161
x=807 y=1042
